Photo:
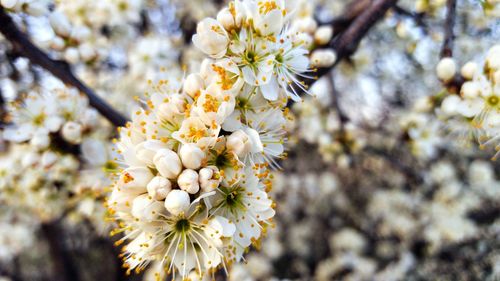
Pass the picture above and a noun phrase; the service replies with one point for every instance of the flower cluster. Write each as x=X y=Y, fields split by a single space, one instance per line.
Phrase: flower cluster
x=475 y=113
x=57 y=157
x=53 y=113
x=193 y=192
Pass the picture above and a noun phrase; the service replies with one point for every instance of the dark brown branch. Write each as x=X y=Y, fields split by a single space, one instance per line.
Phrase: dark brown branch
x=59 y=69
x=449 y=35
x=63 y=269
x=351 y=11
x=346 y=43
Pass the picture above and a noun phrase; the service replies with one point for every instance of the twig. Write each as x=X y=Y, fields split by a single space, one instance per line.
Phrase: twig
x=418 y=18
x=59 y=69
x=335 y=101
x=447 y=49
x=345 y=44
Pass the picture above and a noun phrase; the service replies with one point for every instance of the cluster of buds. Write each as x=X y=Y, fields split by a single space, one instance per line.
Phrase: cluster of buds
x=193 y=192
x=55 y=113
x=475 y=112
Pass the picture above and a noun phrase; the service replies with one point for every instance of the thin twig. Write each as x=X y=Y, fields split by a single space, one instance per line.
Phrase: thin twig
x=418 y=18
x=449 y=35
x=59 y=69
x=346 y=43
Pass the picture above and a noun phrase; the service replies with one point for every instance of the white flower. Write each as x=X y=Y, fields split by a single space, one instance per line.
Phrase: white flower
x=177 y=202
x=146 y=208
x=188 y=181
x=72 y=132
x=167 y=163
x=192 y=156
x=247 y=205
x=290 y=61
x=213 y=106
x=268 y=16
x=254 y=57
x=211 y=38
x=193 y=130
x=135 y=179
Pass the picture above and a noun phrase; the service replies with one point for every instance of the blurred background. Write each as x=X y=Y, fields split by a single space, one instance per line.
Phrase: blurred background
x=377 y=184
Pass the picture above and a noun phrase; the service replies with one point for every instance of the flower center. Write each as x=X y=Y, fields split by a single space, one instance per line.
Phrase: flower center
x=211 y=104
x=493 y=101
x=182 y=225
x=195 y=133
x=39 y=119
x=266 y=7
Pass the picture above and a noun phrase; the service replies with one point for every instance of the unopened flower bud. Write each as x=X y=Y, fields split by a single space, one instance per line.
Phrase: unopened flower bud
x=30 y=159
x=323 y=58
x=177 y=201
x=470 y=90
x=239 y=142
x=72 y=132
x=193 y=84
x=159 y=187
x=191 y=156
x=188 y=181
x=87 y=52
x=226 y=19
x=40 y=140
x=323 y=34
x=469 y=70
x=72 y=55
x=307 y=25
x=9 y=4
x=209 y=178
x=493 y=58
x=257 y=146
x=446 y=69
x=450 y=104
x=167 y=163
x=90 y=118
x=57 y=43
x=36 y=8
x=48 y=159
x=60 y=23
x=80 y=33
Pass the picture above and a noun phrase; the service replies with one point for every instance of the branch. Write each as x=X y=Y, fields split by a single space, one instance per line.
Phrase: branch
x=418 y=18
x=59 y=69
x=63 y=269
x=346 y=43
x=447 y=49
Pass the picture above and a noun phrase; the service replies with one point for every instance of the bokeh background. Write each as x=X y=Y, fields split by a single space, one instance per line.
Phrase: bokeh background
x=375 y=187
